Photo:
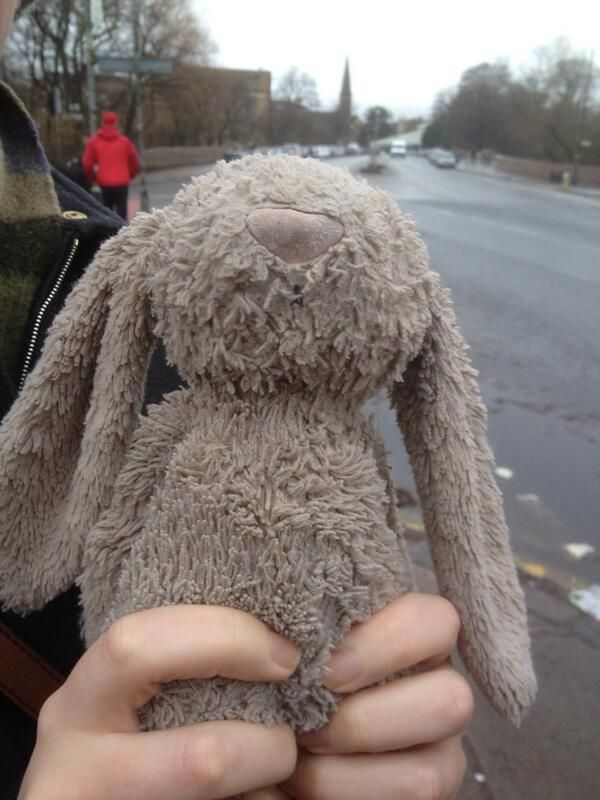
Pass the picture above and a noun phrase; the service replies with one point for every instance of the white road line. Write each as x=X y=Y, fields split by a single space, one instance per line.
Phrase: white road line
x=504 y=225
x=507 y=226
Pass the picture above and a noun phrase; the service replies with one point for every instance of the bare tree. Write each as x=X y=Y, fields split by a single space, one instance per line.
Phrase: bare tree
x=478 y=113
x=438 y=132
x=169 y=29
x=565 y=85
x=46 y=53
x=550 y=111
x=298 y=88
x=378 y=124
x=199 y=105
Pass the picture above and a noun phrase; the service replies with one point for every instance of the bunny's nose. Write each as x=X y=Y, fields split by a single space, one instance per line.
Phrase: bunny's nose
x=294 y=236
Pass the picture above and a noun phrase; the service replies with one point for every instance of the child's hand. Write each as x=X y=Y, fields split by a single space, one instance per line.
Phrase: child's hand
x=89 y=744
x=401 y=739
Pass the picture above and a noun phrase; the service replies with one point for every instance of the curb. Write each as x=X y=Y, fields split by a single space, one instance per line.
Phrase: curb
x=591 y=194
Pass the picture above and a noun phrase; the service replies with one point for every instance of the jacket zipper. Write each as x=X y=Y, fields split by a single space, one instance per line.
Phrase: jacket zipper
x=40 y=314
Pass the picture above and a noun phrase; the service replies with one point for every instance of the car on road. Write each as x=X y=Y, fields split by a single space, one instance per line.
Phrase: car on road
x=353 y=149
x=443 y=158
x=398 y=148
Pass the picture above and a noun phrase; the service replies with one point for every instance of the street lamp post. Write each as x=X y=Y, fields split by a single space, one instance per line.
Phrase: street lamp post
x=89 y=68
x=138 y=102
x=583 y=109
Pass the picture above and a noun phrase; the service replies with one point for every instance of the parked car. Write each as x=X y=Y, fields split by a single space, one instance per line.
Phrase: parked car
x=321 y=151
x=234 y=155
x=398 y=148
x=443 y=158
x=292 y=149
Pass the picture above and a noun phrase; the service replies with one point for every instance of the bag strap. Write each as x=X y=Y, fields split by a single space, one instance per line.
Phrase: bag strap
x=25 y=677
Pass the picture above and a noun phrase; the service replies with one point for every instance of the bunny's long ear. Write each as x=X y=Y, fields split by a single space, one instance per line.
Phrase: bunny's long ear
x=62 y=443
x=443 y=422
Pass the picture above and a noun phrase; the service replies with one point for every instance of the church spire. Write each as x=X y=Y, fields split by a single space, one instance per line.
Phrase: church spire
x=344 y=110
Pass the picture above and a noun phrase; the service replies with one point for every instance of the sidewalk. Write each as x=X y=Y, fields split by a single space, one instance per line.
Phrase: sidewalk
x=489 y=171
x=162 y=185
x=554 y=756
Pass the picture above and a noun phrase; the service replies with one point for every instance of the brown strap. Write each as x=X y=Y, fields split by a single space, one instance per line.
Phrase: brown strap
x=25 y=678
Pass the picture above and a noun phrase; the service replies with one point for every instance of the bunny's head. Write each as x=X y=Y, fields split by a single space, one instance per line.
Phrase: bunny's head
x=278 y=270
x=271 y=273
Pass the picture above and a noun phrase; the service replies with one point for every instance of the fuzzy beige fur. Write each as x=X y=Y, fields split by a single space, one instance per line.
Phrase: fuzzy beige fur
x=287 y=293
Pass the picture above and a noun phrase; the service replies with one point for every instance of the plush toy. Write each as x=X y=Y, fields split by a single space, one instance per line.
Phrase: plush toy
x=287 y=293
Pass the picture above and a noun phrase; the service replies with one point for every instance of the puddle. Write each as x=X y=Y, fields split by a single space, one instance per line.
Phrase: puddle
x=551 y=499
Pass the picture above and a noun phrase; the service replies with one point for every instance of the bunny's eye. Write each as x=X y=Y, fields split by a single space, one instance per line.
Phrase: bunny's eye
x=299 y=297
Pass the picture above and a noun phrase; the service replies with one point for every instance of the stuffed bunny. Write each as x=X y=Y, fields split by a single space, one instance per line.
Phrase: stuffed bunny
x=287 y=293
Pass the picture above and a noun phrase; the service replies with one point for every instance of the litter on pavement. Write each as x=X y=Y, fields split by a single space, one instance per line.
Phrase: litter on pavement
x=532 y=499
x=587 y=600
x=578 y=550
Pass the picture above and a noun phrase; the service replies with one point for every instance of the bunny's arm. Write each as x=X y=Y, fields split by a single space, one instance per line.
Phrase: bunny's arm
x=112 y=537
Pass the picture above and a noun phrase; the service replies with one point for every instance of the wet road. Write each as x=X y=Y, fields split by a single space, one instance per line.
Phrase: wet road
x=523 y=264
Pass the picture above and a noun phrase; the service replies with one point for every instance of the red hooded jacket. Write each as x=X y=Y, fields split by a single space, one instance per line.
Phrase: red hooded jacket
x=110 y=158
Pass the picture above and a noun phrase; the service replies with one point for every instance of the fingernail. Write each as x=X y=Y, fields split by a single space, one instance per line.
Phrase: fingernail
x=343 y=668
x=284 y=653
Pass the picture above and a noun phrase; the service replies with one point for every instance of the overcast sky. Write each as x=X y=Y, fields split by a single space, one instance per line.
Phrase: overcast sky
x=401 y=53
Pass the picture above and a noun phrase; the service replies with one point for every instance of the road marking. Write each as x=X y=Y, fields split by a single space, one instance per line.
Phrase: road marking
x=507 y=226
x=544 y=190
x=474 y=218
x=536 y=234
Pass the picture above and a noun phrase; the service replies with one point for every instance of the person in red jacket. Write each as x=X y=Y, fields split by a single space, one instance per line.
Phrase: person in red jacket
x=111 y=160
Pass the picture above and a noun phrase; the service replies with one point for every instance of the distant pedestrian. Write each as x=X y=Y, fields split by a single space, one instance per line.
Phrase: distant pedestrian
x=111 y=160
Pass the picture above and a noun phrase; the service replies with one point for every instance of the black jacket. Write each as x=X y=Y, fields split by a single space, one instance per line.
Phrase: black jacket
x=90 y=223
x=54 y=631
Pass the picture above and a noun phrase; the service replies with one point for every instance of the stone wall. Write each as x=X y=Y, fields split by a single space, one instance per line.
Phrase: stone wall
x=547 y=170
x=167 y=157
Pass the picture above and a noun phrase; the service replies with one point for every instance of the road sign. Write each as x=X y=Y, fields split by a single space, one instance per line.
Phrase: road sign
x=158 y=66
x=96 y=13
